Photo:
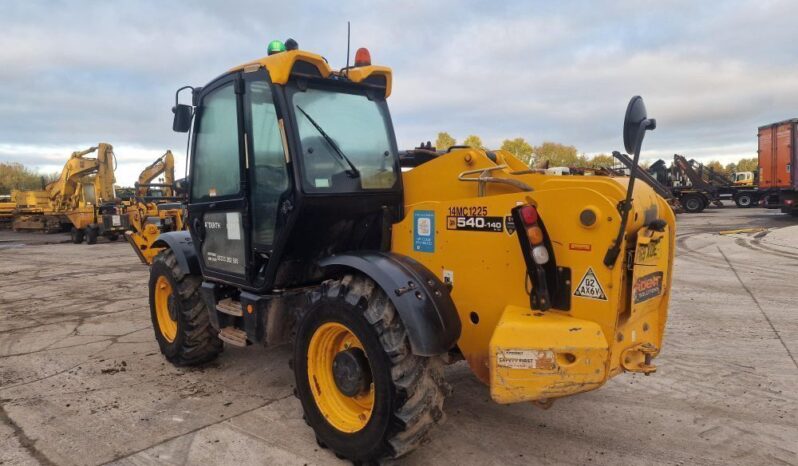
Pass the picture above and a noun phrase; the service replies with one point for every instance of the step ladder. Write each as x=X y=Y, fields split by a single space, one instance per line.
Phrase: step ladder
x=233 y=336
x=230 y=307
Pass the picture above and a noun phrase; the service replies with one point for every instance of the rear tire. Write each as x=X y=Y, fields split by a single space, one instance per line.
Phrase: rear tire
x=407 y=391
x=77 y=235
x=113 y=237
x=179 y=316
x=693 y=203
x=91 y=235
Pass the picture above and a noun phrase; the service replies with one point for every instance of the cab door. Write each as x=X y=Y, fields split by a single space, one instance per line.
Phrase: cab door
x=218 y=204
x=268 y=172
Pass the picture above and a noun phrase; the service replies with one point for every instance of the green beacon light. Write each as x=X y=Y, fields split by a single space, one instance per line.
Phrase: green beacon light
x=276 y=46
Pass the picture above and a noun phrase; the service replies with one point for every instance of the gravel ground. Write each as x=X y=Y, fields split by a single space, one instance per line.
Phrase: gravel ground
x=82 y=381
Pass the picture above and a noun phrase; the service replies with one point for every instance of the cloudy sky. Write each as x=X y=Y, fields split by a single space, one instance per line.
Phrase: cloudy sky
x=80 y=72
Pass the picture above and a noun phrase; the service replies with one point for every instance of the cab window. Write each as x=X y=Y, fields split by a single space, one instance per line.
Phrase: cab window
x=271 y=177
x=216 y=167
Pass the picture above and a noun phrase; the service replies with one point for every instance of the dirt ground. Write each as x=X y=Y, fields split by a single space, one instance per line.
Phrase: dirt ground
x=82 y=380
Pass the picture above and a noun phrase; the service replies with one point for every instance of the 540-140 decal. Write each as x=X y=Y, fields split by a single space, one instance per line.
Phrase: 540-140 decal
x=469 y=223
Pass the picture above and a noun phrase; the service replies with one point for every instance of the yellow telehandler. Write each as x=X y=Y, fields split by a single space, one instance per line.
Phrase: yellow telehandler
x=303 y=227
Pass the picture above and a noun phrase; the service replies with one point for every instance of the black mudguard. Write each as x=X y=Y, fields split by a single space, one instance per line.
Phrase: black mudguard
x=180 y=243
x=422 y=300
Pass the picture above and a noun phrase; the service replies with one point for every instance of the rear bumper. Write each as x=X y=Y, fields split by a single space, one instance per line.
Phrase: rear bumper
x=536 y=356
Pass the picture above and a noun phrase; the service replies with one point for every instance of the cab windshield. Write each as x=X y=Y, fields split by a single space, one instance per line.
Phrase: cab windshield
x=346 y=141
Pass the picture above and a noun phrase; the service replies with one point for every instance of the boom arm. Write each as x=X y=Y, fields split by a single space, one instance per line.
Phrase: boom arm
x=165 y=165
x=64 y=191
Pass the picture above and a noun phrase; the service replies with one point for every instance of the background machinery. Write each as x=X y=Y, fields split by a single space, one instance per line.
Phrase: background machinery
x=84 y=192
x=302 y=227
x=156 y=208
x=778 y=155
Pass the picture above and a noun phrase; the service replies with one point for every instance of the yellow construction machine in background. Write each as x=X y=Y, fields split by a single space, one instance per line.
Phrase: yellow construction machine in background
x=7 y=206
x=33 y=211
x=155 y=209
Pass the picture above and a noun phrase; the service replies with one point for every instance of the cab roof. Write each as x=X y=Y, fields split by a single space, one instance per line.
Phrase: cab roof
x=283 y=64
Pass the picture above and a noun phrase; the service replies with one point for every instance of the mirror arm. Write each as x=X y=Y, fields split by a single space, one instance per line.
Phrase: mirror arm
x=624 y=206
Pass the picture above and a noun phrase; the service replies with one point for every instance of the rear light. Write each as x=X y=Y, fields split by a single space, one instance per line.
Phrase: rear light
x=535 y=235
x=362 y=57
x=540 y=254
x=788 y=201
x=529 y=215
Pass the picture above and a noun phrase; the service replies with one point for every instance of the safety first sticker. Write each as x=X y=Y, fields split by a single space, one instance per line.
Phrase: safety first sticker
x=590 y=287
x=525 y=359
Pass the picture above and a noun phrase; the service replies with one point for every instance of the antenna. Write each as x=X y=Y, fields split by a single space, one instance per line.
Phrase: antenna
x=348 y=36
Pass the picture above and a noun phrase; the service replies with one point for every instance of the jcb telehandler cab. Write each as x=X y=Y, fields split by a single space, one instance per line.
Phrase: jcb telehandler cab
x=303 y=228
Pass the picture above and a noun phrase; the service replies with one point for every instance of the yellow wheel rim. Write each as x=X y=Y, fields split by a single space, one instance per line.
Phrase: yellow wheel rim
x=166 y=324
x=345 y=413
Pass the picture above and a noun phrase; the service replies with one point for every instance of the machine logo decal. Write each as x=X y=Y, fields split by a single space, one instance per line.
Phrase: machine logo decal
x=590 y=287
x=509 y=224
x=580 y=247
x=647 y=287
x=424 y=231
x=490 y=224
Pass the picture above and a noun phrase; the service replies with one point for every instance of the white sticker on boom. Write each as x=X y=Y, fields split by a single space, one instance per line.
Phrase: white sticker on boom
x=233 y=225
x=525 y=359
x=590 y=287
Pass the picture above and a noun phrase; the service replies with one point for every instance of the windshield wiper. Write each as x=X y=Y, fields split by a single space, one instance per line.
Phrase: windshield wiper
x=353 y=171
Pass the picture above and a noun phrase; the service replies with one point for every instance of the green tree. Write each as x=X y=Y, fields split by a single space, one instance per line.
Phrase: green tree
x=444 y=141
x=558 y=155
x=730 y=168
x=14 y=175
x=519 y=148
x=602 y=160
x=473 y=141
x=748 y=165
x=716 y=166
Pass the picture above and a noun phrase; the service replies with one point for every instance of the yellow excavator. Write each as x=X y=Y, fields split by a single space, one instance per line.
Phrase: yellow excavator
x=84 y=187
x=155 y=209
x=306 y=225
x=84 y=192
x=163 y=165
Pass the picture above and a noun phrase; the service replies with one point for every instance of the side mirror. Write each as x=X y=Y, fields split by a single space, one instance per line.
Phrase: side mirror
x=635 y=125
x=182 y=121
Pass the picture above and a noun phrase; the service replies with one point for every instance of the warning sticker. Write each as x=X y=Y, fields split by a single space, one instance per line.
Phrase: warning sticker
x=590 y=287
x=525 y=359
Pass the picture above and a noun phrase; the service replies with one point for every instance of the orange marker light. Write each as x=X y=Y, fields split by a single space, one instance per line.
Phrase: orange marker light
x=535 y=234
x=362 y=57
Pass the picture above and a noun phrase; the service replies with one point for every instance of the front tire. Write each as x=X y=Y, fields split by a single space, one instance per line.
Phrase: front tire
x=400 y=397
x=693 y=203
x=179 y=315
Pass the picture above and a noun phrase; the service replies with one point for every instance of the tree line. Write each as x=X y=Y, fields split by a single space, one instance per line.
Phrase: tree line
x=562 y=155
x=558 y=155
x=14 y=175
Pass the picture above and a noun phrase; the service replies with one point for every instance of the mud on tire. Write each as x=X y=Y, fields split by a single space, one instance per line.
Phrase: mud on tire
x=195 y=341
x=409 y=389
